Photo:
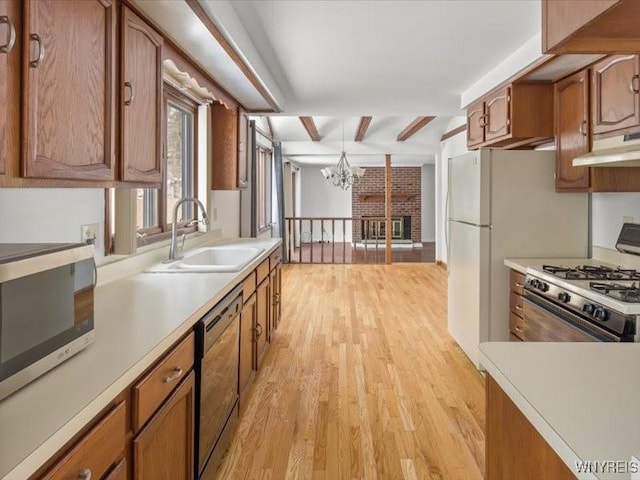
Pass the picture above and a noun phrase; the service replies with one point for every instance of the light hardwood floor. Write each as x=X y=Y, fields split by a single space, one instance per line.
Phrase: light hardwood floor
x=362 y=381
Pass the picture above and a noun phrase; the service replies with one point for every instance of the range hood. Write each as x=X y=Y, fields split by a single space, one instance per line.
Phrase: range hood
x=620 y=151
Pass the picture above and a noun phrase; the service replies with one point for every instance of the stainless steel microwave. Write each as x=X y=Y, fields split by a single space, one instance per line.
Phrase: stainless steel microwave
x=46 y=308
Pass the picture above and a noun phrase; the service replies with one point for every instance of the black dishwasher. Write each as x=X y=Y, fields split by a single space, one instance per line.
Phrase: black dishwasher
x=217 y=353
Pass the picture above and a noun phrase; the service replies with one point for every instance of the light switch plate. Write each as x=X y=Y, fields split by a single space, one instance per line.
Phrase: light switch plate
x=89 y=233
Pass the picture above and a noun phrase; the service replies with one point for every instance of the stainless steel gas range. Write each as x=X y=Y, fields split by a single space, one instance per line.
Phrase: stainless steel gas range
x=574 y=301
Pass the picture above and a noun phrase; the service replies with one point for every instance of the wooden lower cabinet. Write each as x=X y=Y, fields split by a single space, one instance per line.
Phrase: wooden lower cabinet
x=96 y=452
x=516 y=315
x=514 y=449
x=164 y=449
x=246 y=368
x=119 y=472
x=263 y=304
x=275 y=283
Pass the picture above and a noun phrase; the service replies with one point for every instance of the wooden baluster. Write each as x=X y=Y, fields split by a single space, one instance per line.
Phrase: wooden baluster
x=344 y=241
x=322 y=240
x=333 y=240
x=311 y=240
x=367 y=225
x=289 y=240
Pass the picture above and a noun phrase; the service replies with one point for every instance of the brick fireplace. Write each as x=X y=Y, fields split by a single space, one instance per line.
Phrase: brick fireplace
x=367 y=200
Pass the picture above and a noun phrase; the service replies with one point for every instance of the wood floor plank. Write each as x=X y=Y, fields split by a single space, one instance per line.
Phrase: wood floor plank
x=362 y=381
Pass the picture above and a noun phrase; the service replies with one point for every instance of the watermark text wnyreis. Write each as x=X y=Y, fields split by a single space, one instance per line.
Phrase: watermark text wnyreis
x=607 y=466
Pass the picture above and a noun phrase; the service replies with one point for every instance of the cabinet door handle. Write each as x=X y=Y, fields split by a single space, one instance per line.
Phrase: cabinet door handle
x=519 y=285
x=177 y=371
x=583 y=128
x=633 y=85
x=258 y=330
x=11 y=34
x=519 y=329
x=131 y=92
x=38 y=41
x=277 y=298
x=519 y=307
x=482 y=121
x=85 y=474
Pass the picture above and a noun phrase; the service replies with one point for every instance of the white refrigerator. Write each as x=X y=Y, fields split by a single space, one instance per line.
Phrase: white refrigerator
x=502 y=204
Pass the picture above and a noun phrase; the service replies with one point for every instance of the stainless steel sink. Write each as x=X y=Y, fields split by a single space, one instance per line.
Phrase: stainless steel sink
x=223 y=258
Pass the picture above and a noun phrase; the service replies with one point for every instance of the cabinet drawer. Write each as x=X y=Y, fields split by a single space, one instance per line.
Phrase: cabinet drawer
x=155 y=386
x=96 y=452
x=516 y=281
x=515 y=303
x=248 y=286
x=263 y=271
x=516 y=325
x=275 y=258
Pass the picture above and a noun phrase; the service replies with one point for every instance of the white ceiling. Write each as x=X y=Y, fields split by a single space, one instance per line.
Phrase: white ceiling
x=380 y=139
x=382 y=57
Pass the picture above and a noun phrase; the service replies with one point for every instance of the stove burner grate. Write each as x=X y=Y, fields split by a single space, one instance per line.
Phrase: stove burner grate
x=592 y=272
x=625 y=293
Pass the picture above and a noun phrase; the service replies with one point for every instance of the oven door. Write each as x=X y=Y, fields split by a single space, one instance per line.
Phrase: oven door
x=544 y=321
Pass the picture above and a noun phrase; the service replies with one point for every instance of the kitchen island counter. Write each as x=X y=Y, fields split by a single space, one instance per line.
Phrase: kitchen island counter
x=137 y=318
x=581 y=397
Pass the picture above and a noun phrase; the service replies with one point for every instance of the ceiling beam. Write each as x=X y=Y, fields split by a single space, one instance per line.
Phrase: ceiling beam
x=362 y=128
x=310 y=127
x=270 y=127
x=414 y=127
x=453 y=132
x=233 y=54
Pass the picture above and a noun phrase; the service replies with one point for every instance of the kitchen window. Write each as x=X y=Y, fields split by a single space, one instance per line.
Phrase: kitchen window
x=154 y=207
x=264 y=187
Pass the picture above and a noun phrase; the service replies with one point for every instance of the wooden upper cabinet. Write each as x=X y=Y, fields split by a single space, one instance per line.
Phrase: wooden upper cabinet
x=475 y=126
x=243 y=150
x=68 y=89
x=616 y=94
x=572 y=131
x=10 y=22
x=520 y=114
x=140 y=101
x=224 y=147
x=497 y=114
x=590 y=26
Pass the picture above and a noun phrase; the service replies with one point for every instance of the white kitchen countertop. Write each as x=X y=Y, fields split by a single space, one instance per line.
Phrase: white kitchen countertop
x=581 y=397
x=136 y=320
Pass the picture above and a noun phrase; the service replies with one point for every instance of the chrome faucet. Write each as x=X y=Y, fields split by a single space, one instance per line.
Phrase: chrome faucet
x=173 y=248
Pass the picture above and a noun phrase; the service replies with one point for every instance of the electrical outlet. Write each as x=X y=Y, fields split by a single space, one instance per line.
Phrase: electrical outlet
x=89 y=233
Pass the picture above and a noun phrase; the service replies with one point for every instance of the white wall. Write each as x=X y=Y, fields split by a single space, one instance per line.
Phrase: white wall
x=319 y=199
x=451 y=147
x=50 y=215
x=224 y=212
x=428 y=196
x=608 y=212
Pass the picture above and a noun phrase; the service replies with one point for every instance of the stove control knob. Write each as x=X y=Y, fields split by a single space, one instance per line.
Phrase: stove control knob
x=564 y=297
x=588 y=308
x=601 y=314
x=544 y=286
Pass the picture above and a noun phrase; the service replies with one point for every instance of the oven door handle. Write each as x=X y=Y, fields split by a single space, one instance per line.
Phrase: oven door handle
x=568 y=317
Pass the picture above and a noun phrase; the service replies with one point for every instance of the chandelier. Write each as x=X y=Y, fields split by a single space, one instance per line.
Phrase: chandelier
x=342 y=175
